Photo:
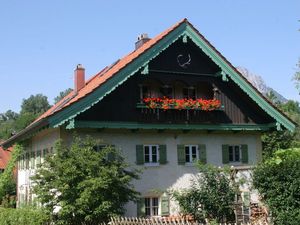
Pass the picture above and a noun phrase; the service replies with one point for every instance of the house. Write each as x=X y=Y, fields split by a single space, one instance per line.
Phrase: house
x=4 y=158
x=172 y=100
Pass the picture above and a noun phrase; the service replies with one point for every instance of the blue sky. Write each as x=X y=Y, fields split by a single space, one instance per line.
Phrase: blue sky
x=41 y=42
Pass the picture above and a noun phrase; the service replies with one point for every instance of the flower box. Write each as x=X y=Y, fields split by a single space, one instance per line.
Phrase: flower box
x=179 y=104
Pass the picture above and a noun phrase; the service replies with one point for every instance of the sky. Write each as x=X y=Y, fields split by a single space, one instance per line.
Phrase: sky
x=41 y=42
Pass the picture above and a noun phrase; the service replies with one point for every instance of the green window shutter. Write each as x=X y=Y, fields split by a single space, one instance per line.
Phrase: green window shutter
x=140 y=207
x=202 y=153
x=163 y=154
x=139 y=154
x=225 y=154
x=38 y=157
x=164 y=205
x=244 y=153
x=181 y=154
x=246 y=199
x=111 y=156
x=32 y=160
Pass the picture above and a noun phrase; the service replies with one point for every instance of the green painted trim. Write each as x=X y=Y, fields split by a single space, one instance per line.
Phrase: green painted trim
x=142 y=61
x=152 y=126
x=120 y=77
x=236 y=77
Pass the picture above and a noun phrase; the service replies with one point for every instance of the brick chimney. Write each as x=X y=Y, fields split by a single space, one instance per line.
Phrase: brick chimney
x=79 y=78
x=142 y=39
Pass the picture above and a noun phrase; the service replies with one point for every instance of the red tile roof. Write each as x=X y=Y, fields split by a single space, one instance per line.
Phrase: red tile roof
x=104 y=75
x=4 y=157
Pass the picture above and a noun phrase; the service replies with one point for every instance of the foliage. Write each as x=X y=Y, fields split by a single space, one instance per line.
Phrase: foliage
x=278 y=182
x=7 y=181
x=35 y=104
x=87 y=186
x=296 y=77
x=23 y=216
x=211 y=195
x=62 y=94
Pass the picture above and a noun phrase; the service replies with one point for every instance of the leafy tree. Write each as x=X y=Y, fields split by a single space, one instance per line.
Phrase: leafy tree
x=62 y=94
x=35 y=104
x=278 y=182
x=7 y=180
x=87 y=186
x=211 y=195
x=296 y=77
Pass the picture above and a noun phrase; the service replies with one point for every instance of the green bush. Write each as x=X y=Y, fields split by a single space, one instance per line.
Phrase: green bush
x=23 y=216
x=278 y=182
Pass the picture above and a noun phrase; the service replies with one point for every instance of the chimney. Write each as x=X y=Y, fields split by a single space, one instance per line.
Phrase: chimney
x=79 y=78
x=142 y=39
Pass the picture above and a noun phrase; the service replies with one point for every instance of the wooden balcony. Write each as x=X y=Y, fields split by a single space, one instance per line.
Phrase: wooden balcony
x=191 y=116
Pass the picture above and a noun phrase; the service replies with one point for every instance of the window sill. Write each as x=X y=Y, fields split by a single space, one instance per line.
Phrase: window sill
x=190 y=164
x=151 y=164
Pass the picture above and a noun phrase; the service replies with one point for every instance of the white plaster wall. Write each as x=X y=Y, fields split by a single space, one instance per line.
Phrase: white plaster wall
x=172 y=176
x=44 y=139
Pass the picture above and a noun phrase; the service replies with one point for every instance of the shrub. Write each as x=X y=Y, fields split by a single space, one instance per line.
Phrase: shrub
x=278 y=182
x=23 y=216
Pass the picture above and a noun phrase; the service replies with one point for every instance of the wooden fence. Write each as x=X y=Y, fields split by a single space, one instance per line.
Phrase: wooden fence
x=167 y=221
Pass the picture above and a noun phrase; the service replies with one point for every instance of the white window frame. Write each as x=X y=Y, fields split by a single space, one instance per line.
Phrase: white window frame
x=191 y=161
x=151 y=163
x=233 y=148
x=151 y=208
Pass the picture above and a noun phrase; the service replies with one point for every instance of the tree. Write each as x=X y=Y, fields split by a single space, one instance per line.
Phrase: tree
x=296 y=77
x=211 y=195
x=35 y=104
x=62 y=94
x=278 y=182
x=7 y=180
x=87 y=186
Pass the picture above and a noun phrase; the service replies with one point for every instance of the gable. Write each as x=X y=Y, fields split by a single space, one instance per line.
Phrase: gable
x=185 y=32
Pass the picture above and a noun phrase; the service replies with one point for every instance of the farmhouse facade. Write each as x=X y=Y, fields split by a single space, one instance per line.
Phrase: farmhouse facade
x=173 y=100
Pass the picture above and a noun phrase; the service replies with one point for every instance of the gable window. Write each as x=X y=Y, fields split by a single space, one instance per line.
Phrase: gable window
x=191 y=153
x=151 y=206
x=189 y=93
x=235 y=154
x=167 y=91
x=151 y=153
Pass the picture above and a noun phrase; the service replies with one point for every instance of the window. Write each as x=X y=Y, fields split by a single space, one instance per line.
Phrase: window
x=167 y=91
x=151 y=206
x=189 y=92
x=151 y=153
x=234 y=153
x=99 y=148
x=191 y=153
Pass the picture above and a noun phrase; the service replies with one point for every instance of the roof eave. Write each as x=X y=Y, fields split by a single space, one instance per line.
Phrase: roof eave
x=25 y=132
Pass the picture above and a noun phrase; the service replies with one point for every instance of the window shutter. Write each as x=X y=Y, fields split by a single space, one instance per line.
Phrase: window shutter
x=163 y=154
x=225 y=154
x=111 y=156
x=202 y=153
x=246 y=199
x=139 y=154
x=32 y=160
x=244 y=153
x=140 y=207
x=181 y=154
x=164 y=203
x=38 y=157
